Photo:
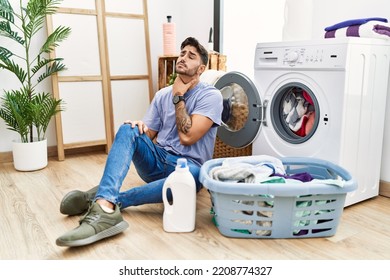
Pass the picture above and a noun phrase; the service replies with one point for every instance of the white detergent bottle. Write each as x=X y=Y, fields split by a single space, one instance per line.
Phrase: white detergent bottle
x=179 y=214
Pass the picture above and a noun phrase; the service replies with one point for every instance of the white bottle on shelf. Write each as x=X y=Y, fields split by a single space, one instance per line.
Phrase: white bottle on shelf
x=179 y=214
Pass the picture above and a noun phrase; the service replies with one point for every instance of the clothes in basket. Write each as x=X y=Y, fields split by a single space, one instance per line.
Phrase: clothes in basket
x=266 y=197
x=262 y=169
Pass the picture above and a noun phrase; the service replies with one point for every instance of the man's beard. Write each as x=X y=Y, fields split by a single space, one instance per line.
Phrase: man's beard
x=187 y=72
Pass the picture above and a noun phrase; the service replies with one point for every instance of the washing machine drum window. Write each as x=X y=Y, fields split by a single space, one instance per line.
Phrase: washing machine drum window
x=294 y=111
x=241 y=117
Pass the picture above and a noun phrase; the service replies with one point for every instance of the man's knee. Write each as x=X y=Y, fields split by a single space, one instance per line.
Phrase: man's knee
x=127 y=129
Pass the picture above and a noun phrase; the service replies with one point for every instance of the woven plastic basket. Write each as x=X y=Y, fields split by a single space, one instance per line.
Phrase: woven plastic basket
x=279 y=210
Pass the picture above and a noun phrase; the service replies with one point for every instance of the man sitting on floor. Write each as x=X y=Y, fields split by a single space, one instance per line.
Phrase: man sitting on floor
x=183 y=118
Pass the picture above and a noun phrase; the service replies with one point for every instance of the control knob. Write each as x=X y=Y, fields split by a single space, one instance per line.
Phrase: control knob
x=292 y=56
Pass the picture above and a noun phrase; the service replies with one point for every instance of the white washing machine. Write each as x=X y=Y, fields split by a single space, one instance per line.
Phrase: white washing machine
x=323 y=99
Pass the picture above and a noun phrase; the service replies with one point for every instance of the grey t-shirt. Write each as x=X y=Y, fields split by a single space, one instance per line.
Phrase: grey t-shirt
x=204 y=100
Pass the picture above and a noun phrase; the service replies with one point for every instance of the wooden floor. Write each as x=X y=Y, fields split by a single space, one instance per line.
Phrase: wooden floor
x=30 y=223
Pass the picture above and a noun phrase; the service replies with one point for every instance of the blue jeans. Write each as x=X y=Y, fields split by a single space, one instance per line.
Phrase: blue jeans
x=152 y=163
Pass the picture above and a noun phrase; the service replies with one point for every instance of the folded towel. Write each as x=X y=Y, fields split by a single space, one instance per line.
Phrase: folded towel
x=372 y=29
x=353 y=22
x=382 y=29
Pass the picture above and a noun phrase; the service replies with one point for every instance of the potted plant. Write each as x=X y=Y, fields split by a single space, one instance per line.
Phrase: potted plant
x=25 y=110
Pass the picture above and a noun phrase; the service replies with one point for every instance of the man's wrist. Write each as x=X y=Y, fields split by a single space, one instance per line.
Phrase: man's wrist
x=177 y=98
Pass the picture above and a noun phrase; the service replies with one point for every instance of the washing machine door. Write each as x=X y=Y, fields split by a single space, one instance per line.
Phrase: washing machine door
x=242 y=112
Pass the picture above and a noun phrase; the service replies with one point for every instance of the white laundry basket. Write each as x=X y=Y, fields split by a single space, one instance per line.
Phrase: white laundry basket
x=279 y=210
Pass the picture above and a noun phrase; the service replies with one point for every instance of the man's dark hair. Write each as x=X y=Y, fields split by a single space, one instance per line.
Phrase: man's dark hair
x=191 y=41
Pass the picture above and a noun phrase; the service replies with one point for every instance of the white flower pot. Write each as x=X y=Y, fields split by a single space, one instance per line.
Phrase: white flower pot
x=29 y=156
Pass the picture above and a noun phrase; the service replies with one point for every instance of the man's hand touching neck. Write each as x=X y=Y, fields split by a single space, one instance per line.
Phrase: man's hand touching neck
x=184 y=83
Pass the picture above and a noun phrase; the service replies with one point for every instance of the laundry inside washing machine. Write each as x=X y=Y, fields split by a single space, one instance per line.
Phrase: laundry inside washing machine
x=235 y=107
x=298 y=111
x=294 y=113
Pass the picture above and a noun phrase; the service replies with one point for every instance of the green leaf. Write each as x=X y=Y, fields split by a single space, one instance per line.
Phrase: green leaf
x=58 y=35
x=43 y=107
x=13 y=67
x=15 y=111
x=41 y=8
x=6 y=31
x=44 y=62
x=6 y=11
x=36 y=12
x=50 y=70
x=33 y=27
x=5 y=54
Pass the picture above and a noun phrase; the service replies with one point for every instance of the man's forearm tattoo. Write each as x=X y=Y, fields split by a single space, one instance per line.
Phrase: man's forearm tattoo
x=183 y=120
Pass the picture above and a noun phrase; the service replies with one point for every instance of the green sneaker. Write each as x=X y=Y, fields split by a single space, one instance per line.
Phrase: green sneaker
x=77 y=202
x=94 y=225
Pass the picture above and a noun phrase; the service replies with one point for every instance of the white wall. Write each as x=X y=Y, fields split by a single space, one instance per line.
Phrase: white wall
x=246 y=23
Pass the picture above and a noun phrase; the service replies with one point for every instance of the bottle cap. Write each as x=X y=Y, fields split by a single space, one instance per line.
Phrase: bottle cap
x=182 y=163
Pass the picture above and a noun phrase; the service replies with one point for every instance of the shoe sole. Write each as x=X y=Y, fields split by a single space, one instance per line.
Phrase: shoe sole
x=114 y=230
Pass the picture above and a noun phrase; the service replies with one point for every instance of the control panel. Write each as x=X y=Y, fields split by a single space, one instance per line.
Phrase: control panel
x=316 y=56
